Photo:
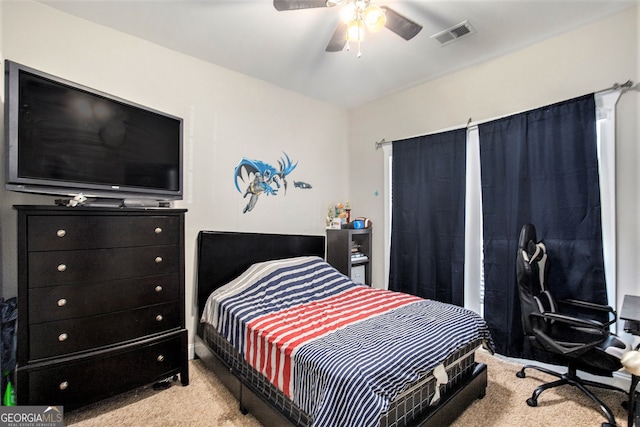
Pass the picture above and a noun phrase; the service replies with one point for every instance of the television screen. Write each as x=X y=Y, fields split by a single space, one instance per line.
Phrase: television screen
x=64 y=138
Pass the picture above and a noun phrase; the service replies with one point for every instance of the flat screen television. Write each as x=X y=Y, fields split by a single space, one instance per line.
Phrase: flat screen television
x=62 y=138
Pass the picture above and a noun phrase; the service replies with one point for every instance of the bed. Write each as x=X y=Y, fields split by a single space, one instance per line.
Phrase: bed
x=287 y=386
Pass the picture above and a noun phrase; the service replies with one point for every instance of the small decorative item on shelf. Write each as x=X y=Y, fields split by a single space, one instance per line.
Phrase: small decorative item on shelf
x=360 y=222
x=330 y=215
x=338 y=215
x=341 y=213
x=347 y=209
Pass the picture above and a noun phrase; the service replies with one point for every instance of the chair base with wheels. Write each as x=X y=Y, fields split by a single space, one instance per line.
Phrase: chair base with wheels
x=571 y=378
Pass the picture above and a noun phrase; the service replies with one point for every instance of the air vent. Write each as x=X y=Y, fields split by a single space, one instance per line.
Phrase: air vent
x=454 y=33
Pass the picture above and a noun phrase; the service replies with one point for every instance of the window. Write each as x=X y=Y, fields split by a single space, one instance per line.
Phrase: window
x=474 y=281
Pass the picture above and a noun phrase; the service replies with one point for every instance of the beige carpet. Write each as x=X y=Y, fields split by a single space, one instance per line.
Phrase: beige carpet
x=205 y=402
x=505 y=402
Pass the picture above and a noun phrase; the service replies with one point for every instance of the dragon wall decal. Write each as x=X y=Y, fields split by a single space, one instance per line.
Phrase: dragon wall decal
x=262 y=178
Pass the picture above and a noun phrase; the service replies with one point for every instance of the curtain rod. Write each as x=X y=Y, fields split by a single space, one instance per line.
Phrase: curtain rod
x=624 y=87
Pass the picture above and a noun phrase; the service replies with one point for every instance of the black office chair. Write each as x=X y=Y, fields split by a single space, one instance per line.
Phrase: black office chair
x=578 y=341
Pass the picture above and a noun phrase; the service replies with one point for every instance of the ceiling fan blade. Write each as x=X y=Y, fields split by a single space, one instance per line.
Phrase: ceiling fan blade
x=338 y=39
x=298 y=4
x=401 y=25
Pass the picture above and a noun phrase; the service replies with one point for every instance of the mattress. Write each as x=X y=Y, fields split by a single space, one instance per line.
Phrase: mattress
x=340 y=352
x=407 y=407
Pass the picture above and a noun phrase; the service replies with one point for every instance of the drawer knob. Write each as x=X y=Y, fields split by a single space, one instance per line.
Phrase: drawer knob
x=64 y=385
x=61 y=233
x=158 y=288
x=63 y=337
x=159 y=317
x=158 y=259
x=62 y=267
x=160 y=358
x=158 y=230
x=62 y=302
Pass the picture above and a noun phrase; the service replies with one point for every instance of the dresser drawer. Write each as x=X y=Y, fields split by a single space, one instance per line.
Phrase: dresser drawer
x=82 y=381
x=68 y=336
x=67 y=232
x=71 y=301
x=100 y=265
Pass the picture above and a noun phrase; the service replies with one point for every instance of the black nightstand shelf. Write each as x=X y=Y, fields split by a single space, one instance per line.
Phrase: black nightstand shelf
x=349 y=251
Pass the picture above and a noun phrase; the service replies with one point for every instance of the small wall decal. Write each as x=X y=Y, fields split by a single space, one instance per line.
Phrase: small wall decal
x=262 y=178
x=303 y=185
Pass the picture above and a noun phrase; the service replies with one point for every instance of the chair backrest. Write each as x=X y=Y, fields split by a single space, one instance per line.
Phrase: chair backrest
x=532 y=268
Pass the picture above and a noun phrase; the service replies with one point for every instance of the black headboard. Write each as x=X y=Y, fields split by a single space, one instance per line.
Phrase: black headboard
x=223 y=255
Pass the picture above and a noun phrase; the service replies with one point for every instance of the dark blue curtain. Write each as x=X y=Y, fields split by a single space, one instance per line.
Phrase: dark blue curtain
x=427 y=231
x=540 y=167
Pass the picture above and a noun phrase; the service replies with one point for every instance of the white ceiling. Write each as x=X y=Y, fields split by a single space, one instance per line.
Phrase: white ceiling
x=288 y=48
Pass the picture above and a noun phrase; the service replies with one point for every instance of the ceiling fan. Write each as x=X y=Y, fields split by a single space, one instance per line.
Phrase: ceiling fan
x=356 y=15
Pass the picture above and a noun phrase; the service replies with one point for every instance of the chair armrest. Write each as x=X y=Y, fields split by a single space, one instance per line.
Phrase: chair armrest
x=589 y=305
x=593 y=306
x=593 y=326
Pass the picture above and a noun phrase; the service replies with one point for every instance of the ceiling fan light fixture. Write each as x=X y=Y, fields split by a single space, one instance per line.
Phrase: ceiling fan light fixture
x=374 y=18
x=349 y=13
x=331 y=3
x=355 y=31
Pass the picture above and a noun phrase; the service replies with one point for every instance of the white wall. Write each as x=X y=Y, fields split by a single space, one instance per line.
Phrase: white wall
x=582 y=61
x=226 y=115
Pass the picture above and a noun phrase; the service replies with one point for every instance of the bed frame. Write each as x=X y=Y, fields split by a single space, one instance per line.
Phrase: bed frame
x=223 y=256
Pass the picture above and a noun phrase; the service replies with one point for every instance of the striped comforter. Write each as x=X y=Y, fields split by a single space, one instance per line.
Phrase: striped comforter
x=339 y=350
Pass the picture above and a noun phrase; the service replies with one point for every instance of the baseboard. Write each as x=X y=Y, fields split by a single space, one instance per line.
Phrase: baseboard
x=192 y=351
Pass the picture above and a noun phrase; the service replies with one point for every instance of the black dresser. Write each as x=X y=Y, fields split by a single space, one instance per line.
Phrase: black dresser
x=100 y=302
